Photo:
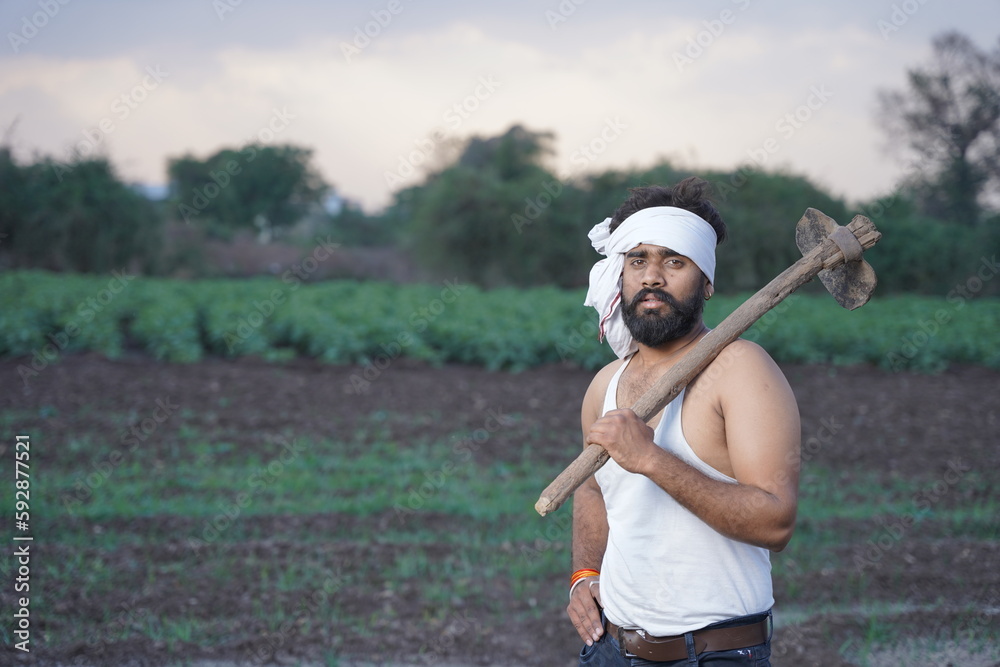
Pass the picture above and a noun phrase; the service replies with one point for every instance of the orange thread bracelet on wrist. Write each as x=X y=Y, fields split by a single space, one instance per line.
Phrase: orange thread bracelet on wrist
x=579 y=576
x=582 y=574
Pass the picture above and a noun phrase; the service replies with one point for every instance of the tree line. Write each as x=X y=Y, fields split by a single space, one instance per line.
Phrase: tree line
x=498 y=217
x=493 y=212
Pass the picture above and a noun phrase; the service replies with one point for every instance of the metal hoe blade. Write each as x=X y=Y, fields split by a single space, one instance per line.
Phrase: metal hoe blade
x=852 y=283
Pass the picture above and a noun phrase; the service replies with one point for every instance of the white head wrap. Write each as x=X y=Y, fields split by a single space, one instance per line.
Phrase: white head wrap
x=676 y=228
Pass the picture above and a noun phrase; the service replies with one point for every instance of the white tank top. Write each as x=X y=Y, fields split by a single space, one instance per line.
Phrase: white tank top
x=665 y=570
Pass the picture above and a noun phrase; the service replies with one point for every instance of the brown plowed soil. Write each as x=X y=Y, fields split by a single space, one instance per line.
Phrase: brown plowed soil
x=894 y=424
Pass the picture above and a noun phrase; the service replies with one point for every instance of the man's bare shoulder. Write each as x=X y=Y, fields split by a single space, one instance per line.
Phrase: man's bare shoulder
x=744 y=354
x=593 y=401
x=741 y=366
x=603 y=378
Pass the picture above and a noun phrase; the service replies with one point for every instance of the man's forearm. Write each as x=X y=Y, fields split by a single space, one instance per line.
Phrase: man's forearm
x=590 y=528
x=590 y=538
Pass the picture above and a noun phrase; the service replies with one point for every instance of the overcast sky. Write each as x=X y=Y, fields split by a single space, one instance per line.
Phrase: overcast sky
x=373 y=85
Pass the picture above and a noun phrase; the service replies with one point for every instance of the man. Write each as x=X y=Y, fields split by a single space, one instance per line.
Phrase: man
x=671 y=538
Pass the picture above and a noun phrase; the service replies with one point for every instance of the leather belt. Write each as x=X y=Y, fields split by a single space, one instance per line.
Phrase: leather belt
x=636 y=644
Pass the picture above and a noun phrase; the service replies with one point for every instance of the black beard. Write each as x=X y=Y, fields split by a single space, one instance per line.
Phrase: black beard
x=652 y=329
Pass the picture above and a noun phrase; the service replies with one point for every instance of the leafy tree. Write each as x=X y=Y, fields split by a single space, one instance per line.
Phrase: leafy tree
x=14 y=204
x=516 y=154
x=350 y=226
x=270 y=187
x=949 y=119
x=498 y=217
x=74 y=216
x=760 y=216
x=921 y=254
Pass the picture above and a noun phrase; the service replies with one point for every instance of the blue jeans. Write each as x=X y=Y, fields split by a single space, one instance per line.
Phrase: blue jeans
x=606 y=653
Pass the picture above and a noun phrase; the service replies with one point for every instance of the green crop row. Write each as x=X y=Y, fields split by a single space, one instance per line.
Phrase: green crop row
x=43 y=315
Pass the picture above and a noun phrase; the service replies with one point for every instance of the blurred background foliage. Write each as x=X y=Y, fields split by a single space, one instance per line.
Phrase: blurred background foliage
x=492 y=211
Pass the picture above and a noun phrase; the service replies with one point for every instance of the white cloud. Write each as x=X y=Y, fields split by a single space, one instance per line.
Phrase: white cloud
x=475 y=75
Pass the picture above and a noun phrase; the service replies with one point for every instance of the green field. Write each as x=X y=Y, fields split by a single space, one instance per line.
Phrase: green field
x=433 y=527
x=43 y=315
x=291 y=506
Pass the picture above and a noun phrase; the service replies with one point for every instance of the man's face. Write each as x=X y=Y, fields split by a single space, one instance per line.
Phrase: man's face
x=662 y=294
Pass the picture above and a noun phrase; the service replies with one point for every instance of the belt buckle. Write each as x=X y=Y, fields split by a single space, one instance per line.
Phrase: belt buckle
x=625 y=653
x=621 y=644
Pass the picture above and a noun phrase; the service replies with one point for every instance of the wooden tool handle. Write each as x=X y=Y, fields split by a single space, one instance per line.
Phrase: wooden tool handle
x=576 y=473
x=826 y=255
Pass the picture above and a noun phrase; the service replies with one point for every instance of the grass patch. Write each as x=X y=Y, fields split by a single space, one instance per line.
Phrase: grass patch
x=198 y=479
x=427 y=521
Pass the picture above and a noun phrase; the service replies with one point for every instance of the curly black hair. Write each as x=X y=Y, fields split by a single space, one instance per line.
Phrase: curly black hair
x=691 y=194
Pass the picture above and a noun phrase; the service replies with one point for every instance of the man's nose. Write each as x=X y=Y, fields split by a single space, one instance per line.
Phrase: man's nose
x=653 y=276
